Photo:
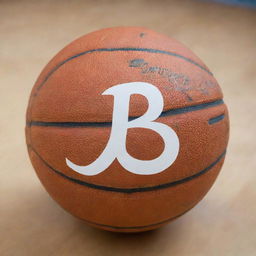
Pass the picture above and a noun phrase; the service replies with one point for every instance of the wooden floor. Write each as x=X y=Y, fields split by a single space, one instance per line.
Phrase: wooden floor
x=31 y=32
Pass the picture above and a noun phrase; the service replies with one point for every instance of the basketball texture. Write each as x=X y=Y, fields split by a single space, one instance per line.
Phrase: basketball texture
x=69 y=117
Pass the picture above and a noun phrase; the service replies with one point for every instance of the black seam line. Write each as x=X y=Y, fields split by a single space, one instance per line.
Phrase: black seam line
x=216 y=119
x=135 y=227
x=132 y=190
x=169 y=112
x=126 y=49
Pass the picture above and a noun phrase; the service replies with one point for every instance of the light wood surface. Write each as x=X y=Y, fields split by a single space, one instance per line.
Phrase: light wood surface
x=31 y=32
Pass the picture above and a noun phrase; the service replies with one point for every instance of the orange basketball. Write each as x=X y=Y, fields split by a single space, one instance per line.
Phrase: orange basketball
x=126 y=129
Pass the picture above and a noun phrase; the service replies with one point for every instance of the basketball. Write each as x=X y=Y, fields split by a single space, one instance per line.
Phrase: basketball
x=126 y=129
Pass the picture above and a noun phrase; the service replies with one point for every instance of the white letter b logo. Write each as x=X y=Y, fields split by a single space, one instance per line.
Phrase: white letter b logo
x=116 y=147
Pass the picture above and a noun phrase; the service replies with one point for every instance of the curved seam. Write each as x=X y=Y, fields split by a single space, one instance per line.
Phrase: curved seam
x=216 y=119
x=121 y=49
x=135 y=227
x=169 y=112
x=131 y=190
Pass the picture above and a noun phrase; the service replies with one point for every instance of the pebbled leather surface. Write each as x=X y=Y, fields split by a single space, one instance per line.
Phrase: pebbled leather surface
x=69 y=90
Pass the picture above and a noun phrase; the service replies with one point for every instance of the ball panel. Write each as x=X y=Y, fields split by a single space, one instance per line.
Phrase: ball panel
x=121 y=209
x=116 y=38
x=74 y=91
x=131 y=229
x=200 y=145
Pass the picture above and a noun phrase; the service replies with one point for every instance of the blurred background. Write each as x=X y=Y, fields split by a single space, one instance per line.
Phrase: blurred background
x=223 y=35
